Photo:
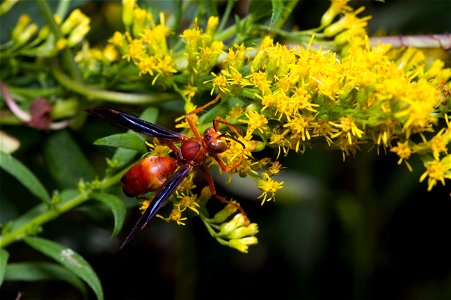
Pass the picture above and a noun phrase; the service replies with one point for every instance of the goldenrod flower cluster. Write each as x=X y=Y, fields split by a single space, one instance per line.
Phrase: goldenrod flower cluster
x=30 y=40
x=288 y=98
x=293 y=98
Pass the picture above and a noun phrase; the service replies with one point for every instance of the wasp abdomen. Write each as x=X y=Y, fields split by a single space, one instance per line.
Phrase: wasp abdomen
x=147 y=175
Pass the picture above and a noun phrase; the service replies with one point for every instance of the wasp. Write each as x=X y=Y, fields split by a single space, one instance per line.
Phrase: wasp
x=161 y=174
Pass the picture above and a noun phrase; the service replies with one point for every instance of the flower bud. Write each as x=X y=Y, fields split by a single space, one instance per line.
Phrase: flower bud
x=23 y=31
x=61 y=44
x=250 y=230
x=73 y=21
x=43 y=33
x=242 y=244
x=222 y=215
x=128 y=7
x=6 y=6
x=335 y=28
x=27 y=34
x=78 y=34
x=328 y=17
x=140 y=17
x=212 y=25
x=23 y=21
x=342 y=38
x=227 y=228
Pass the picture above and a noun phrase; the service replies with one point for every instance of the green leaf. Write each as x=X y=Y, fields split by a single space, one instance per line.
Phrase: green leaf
x=123 y=140
x=34 y=271
x=150 y=114
x=64 y=196
x=123 y=156
x=117 y=207
x=65 y=161
x=260 y=9
x=70 y=260
x=29 y=215
x=4 y=255
x=278 y=7
x=24 y=175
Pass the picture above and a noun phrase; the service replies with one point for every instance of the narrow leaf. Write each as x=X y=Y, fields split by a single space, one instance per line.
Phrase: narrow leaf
x=34 y=271
x=64 y=196
x=4 y=255
x=123 y=156
x=117 y=207
x=278 y=7
x=24 y=175
x=65 y=161
x=31 y=214
x=260 y=9
x=70 y=260
x=150 y=114
x=123 y=140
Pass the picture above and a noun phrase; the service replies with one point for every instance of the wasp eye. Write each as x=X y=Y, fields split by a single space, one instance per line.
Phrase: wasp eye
x=207 y=136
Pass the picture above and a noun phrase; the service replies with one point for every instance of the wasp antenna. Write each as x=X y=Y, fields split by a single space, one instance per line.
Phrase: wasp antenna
x=226 y=135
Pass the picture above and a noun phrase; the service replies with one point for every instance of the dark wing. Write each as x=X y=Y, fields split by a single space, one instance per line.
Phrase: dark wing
x=160 y=198
x=125 y=120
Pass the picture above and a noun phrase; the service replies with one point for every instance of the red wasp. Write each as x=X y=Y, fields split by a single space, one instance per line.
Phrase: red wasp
x=164 y=174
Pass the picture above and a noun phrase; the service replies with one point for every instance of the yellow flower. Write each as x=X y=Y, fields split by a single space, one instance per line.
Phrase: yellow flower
x=176 y=216
x=348 y=127
x=147 y=64
x=348 y=21
x=437 y=171
x=219 y=82
x=255 y=121
x=144 y=205
x=136 y=50
x=300 y=126
x=110 y=53
x=404 y=151
x=117 y=39
x=187 y=200
x=439 y=143
x=336 y=7
x=212 y=24
x=269 y=188
x=127 y=12
x=243 y=244
x=281 y=142
x=259 y=79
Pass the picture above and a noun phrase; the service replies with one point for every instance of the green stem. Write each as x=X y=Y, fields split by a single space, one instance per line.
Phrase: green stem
x=24 y=230
x=68 y=58
x=230 y=31
x=285 y=14
x=63 y=7
x=226 y=14
x=42 y=92
x=118 y=97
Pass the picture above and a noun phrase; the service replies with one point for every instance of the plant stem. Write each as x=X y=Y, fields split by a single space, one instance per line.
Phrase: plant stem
x=226 y=14
x=25 y=230
x=418 y=41
x=118 y=97
x=230 y=31
x=50 y=214
x=68 y=60
x=285 y=14
x=42 y=92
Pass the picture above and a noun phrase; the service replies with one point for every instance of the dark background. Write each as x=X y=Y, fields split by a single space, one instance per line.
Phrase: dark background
x=364 y=228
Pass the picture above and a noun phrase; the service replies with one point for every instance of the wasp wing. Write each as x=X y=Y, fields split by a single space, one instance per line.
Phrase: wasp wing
x=128 y=121
x=159 y=200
